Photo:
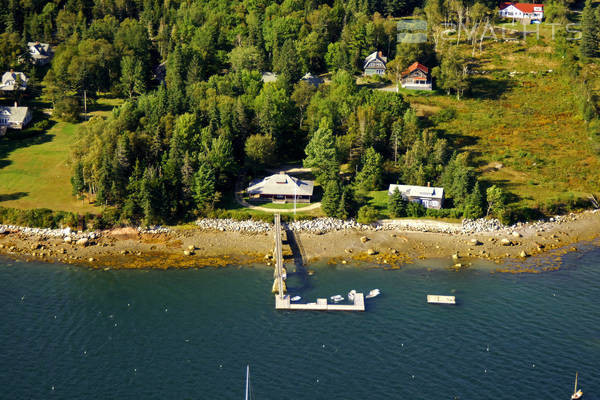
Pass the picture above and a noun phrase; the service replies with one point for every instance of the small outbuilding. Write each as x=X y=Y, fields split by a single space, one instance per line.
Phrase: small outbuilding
x=281 y=188
x=429 y=197
x=416 y=77
x=375 y=64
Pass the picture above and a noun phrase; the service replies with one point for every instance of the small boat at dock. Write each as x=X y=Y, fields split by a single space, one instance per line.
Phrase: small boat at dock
x=351 y=295
x=577 y=394
x=337 y=298
x=296 y=298
x=373 y=293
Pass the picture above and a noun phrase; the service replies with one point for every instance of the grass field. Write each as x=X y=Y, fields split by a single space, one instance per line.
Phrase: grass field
x=524 y=131
x=34 y=172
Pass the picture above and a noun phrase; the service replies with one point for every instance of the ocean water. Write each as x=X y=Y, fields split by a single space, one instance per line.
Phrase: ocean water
x=72 y=333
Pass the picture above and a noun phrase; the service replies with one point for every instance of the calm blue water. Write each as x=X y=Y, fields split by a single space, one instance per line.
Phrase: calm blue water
x=72 y=333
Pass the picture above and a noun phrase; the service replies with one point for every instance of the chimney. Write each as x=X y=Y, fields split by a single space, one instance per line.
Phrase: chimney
x=380 y=54
x=428 y=184
x=16 y=105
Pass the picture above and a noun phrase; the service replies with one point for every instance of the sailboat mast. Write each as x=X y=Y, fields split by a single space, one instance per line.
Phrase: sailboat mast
x=247 y=379
x=575 y=390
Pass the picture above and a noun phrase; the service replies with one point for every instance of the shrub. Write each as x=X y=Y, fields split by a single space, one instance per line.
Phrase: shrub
x=367 y=215
x=445 y=115
x=416 y=210
x=67 y=109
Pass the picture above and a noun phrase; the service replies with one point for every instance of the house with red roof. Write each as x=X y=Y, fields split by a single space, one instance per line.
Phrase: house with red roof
x=416 y=77
x=523 y=11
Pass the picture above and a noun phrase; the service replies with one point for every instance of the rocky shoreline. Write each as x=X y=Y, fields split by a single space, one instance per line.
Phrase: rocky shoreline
x=222 y=242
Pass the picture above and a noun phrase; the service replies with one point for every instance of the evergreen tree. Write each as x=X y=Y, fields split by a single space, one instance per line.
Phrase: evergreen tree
x=346 y=209
x=331 y=198
x=589 y=46
x=77 y=180
x=474 y=204
x=204 y=187
x=370 y=176
x=321 y=155
x=397 y=204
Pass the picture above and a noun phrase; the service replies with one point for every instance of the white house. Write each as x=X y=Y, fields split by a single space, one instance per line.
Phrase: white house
x=14 y=117
x=40 y=53
x=522 y=11
x=375 y=64
x=10 y=79
x=281 y=188
x=430 y=197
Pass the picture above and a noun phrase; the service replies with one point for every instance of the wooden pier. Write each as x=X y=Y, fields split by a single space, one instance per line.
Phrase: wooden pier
x=436 y=299
x=321 y=304
x=283 y=301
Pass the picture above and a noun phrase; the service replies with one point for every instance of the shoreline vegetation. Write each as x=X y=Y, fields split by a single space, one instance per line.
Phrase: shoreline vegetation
x=387 y=244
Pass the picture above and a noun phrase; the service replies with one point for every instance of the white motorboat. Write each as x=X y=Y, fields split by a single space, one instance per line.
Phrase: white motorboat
x=296 y=298
x=373 y=293
x=337 y=298
x=351 y=295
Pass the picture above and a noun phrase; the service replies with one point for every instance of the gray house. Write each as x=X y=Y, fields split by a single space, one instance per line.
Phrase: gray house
x=40 y=53
x=12 y=80
x=14 y=117
x=281 y=188
x=430 y=197
x=312 y=79
x=375 y=64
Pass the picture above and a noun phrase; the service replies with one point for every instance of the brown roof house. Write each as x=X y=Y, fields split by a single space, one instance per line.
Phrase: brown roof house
x=416 y=77
x=375 y=64
x=430 y=197
x=14 y=117
x=281 y=188
x=12 y=80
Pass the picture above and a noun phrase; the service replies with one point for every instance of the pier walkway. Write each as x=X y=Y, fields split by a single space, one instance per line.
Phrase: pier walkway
x=283 y=300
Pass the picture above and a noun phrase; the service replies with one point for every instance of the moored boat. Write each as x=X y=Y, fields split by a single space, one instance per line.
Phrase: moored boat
x=373 y=293
x=296 y=298
x=577 y=394
x=351 y=295
x=337 y=298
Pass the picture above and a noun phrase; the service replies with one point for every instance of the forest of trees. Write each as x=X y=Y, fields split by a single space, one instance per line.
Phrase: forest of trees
x=175 y=148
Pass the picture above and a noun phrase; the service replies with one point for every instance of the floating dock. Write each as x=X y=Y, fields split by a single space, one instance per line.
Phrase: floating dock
x=435 y=299
x=284 y=303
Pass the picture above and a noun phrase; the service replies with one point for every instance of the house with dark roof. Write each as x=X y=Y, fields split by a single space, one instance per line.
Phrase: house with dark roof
x=40 y=53
x=281 y=188
x=429 y=197
x=375 y=64
x=12 y=80
x=523 y=11
x=14 y=117
x=416 y=77
x=312 y=79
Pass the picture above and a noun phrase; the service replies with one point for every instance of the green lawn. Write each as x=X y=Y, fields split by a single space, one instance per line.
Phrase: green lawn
x=34 y=171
